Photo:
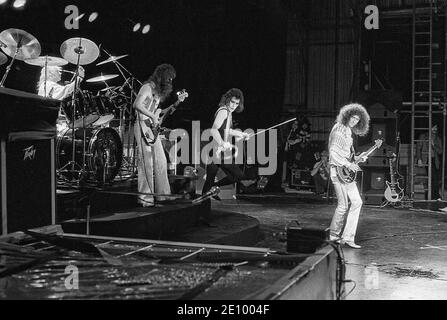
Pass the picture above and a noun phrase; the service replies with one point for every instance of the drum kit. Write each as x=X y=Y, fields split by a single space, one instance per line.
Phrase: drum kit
x=87 y=149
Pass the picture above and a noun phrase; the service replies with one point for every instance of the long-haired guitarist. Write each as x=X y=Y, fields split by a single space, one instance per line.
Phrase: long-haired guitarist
x=231 y=101
x=152 y=165
x=352 y=119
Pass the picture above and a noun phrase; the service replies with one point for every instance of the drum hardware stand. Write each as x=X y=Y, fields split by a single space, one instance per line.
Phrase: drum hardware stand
x=106 y=157
x=46 y=76
x=8 y=68
x=73 y=129
x=129 y=82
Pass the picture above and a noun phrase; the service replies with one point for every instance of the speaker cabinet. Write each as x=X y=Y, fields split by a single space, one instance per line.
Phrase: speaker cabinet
x=374 y=185
x=28 y=184
x=378 y=131
x=374 y=179
x=378 y=180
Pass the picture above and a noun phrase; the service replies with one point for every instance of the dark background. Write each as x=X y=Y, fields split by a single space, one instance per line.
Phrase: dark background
x=213 y=44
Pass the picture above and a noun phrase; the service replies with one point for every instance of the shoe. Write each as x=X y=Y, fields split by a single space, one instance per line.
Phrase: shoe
x=335 y=239
x=351 y=244
x=147 y=205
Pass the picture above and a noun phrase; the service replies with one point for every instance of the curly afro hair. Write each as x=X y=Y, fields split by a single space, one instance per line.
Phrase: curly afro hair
x=349 y=110
x=161 y=74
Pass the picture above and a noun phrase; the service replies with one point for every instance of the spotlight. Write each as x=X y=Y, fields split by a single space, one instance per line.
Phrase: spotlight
x=3 y=2
x=136 y=27
x=146 y=29
x=19 y=4
x=93 y=17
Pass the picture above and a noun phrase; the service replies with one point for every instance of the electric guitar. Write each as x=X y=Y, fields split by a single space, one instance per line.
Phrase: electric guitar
x=393 y=192
x=149 y=131
x=347 y=175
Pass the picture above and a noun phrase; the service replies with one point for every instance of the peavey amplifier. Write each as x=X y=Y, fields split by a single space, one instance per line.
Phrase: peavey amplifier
x=301 y=239
x=28 y=185
x=27 y=160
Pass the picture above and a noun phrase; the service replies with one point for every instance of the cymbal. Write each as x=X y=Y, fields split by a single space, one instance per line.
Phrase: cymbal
x=109 y=88
x=47 y=60
x=112 y=58
x=19 y=43
x=102 y=78
x=79 y=48
x=3 y=58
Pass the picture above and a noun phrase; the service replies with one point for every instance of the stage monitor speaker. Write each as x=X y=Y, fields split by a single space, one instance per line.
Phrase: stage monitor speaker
x=28 y=184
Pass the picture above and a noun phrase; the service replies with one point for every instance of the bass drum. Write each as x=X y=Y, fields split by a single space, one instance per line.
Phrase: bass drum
x=103 y=156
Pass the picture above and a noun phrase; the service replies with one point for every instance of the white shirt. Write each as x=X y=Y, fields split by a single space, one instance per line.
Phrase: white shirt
x=340 y=143
x=55 y=90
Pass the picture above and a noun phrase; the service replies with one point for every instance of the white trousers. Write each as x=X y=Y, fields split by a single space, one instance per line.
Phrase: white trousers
x=152 y=169
x=348 y=209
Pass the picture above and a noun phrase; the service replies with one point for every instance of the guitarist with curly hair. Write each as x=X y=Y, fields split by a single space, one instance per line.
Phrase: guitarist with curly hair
x=352 y=119
x=152 y=164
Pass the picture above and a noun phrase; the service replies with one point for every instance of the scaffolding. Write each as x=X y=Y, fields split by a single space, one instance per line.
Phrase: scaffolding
x=424 y=97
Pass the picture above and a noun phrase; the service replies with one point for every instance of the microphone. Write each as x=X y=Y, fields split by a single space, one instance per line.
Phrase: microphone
x=214 y=191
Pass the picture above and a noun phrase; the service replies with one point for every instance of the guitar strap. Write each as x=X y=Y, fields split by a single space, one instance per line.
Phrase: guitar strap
x=352 y=151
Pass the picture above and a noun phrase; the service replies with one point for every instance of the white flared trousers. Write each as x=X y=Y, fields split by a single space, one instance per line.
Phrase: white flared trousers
x=348 y=209
x=152 y=169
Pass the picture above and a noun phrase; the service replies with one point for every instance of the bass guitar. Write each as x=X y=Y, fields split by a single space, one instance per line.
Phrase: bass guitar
x=347 y=175
x=149 y=131
x=393 y=192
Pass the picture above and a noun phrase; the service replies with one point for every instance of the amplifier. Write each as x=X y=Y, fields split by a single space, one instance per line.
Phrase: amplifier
x=375 y=197
x=308 y=239
x=301 y=178
x=376 y=161
x=28 y=184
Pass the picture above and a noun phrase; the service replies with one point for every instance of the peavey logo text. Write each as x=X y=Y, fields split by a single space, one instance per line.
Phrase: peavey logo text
x=29 y=153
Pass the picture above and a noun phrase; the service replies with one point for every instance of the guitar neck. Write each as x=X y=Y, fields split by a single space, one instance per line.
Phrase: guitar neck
x=367 y=153
x=174 y=105
x=391 y=173
x=169 y=110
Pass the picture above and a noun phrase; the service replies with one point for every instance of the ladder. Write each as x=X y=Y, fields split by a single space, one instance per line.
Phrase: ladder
x=422 y=94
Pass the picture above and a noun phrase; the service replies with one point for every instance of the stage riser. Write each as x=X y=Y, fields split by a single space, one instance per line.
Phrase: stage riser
x=313 y=279
x=71 y=205
x=144 y=223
